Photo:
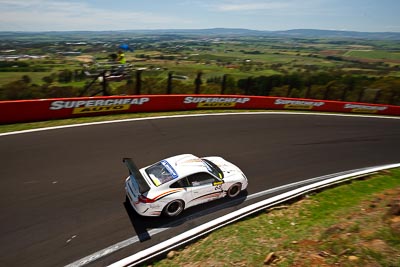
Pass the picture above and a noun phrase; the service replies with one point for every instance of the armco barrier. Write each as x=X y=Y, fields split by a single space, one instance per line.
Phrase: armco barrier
x=62 y=108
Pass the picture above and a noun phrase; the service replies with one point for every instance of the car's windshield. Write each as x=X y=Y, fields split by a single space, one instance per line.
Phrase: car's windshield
x=213 y=168
x=161 y=173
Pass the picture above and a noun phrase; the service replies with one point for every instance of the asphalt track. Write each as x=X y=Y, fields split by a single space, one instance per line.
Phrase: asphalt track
x=63 y=196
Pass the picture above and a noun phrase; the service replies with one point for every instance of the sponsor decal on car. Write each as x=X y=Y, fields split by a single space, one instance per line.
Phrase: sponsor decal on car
x=169 y=168
x=98 y=105
x=170 y=192
x=298 y=104
x=364 y=108
x=215 y=102
x=209 y=196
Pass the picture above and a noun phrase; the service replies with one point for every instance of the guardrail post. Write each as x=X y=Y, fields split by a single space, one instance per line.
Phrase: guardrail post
x=377 y=96
x=344 y=94
x=138 y=87
x=308 y=91
x=393 y=98
x=361 y=95
x=289 y=91
x=327 y=91
x=169 y=82
x=249 y=82
x=104 y=84
x=197 y=83
x=223 y=84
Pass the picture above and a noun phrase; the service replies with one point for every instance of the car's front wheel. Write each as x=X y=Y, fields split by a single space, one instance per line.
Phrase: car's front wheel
x=173 y=208
x=234 y=190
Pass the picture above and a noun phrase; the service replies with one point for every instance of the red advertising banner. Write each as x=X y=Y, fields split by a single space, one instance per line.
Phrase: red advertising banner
x=61 y=108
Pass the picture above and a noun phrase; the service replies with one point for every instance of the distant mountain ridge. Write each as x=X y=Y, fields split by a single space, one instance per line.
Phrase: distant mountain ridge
x=340 y=34
x=300 y=33
x=295 y=33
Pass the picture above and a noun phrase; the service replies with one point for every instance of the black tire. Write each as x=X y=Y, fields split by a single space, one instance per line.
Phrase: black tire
x=174 y=208
x=234 y=190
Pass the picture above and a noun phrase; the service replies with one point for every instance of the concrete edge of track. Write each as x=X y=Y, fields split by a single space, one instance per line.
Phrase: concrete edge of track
x=199 y=115
x=186 y=237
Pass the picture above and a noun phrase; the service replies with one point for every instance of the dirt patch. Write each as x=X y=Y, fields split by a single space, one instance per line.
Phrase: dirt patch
x=85 y=59
x=332 y=52
x=366 y=237
x=377 y=245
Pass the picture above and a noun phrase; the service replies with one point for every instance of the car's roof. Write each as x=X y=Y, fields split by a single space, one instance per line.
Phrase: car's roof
x=174 y=168
x=186 y=164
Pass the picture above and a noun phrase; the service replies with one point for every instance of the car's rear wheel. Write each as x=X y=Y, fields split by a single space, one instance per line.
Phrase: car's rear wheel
x=173 y=208
x=234 y=190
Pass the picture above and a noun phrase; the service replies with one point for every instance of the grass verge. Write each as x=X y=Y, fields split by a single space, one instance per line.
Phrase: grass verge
x=355 y=224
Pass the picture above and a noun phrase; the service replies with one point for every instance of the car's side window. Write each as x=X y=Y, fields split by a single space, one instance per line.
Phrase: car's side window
x=181 y=183
x=201 y=178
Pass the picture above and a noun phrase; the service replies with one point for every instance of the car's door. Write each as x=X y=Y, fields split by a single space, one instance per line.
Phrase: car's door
x=203 y=187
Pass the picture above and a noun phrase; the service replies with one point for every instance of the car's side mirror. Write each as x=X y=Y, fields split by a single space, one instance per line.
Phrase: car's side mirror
x=218 y=183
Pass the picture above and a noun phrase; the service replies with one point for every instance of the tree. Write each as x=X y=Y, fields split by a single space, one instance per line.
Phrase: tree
x=26 y=79
x=61 y=91
x=349 y=85
x=48 y=79
x=294 y=81
x=16 y=90
x=247 y=85
x=65 y=76
x=198 y=82
x=389 y=90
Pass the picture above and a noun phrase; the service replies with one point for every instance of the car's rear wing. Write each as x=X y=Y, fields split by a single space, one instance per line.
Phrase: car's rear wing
x=136 y=176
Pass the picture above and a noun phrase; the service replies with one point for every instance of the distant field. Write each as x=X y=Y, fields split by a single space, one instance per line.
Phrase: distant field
x=36 y=77
x=373 y=54
x=53 y=66
x=7 y=77
x=209 y=70
x=239 y=57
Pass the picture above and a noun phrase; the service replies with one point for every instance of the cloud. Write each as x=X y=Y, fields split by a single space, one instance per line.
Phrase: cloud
x=282 y=6
x=45 y=15
x=255 y=6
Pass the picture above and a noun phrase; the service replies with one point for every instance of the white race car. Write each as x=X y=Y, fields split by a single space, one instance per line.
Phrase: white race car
x=177 y=183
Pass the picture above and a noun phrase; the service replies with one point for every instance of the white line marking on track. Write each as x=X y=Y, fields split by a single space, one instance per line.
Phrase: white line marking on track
x=200 y=115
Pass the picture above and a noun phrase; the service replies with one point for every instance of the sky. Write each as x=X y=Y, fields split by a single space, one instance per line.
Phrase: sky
x=269 y=15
